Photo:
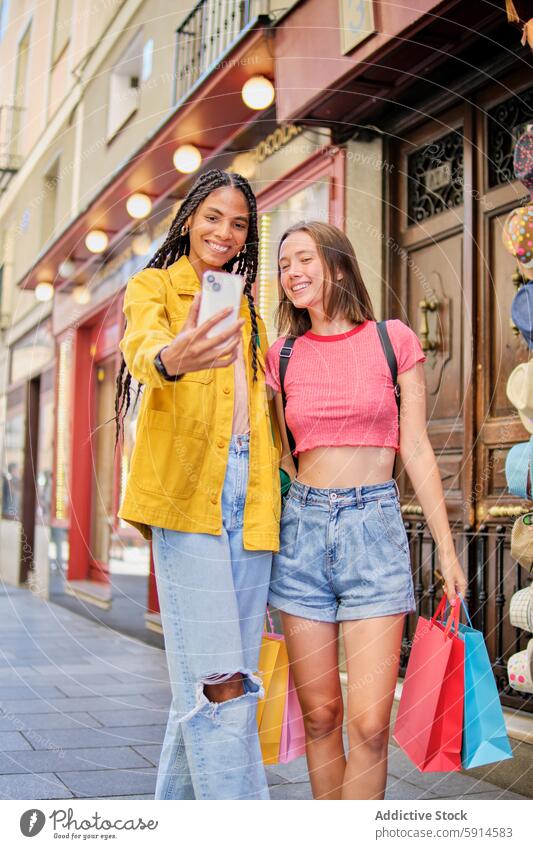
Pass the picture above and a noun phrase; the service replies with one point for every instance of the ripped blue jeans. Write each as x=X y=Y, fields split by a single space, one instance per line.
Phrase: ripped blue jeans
x=212 y=597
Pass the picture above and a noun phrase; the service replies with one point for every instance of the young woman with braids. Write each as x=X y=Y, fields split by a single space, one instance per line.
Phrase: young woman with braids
x=203 y=485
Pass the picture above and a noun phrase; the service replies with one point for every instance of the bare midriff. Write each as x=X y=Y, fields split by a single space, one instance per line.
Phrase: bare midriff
x=345 y=466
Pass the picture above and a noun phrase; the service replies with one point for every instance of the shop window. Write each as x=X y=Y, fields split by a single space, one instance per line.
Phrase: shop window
x=63 y=429
x=62 y=26
x=129 y=552
x=506 y=123
x=13 y=458
x=130 y=430
x=272 y=224
x=124 y=86
x=435 y=177
x=51 y=539
x=103 y=456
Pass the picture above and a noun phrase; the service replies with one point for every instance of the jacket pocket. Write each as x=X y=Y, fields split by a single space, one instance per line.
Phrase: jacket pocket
x=169 y=455
x=204 y=376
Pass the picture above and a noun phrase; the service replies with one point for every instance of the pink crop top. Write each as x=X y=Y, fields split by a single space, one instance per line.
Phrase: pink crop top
x=339 y=388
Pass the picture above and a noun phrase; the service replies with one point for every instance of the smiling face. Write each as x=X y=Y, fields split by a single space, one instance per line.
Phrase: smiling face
x=301 y=271
x=319 y=279
x=218 y=229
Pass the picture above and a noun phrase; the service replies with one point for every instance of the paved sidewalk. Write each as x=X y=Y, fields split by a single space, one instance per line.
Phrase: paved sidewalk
x=83 y=713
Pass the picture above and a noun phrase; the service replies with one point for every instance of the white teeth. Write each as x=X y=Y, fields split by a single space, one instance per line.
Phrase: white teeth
x=299 y=287
x=221 y=249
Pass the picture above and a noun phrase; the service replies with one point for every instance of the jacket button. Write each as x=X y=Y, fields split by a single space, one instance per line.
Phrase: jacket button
x=220 y=443
x=226 y=390
x=213 y=499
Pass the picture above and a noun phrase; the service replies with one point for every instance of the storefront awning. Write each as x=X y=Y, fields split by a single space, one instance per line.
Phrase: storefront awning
x=317 y=83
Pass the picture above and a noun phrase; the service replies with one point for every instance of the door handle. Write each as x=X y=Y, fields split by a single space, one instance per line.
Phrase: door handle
x=426 y=306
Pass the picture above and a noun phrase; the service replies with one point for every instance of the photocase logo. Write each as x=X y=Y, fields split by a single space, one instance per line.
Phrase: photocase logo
x=32 y=822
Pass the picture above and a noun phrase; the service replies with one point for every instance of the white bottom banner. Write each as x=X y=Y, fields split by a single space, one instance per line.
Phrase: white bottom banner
x=359 y=824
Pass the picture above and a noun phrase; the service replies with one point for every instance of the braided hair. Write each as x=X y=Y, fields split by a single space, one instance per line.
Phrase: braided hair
x=177 y=244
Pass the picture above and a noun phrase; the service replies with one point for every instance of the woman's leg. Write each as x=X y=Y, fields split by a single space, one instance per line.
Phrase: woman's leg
x=313 y=654
x=372 y=655
x=207 y=747
x=213 y=596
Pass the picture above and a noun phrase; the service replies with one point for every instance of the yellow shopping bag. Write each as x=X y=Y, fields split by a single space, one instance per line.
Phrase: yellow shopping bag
x=274 y=670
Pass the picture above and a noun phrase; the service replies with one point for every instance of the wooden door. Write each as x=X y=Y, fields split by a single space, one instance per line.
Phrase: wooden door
x=453 y=282
x=500 y=347
x=431 y=290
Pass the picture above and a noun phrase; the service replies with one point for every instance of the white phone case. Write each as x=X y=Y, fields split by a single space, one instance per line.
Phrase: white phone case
x=220 y=289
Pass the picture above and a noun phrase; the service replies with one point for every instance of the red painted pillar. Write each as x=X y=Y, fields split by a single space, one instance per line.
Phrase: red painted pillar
x=81 y=460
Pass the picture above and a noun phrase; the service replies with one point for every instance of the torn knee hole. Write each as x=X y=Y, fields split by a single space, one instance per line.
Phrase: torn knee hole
x=223 y=687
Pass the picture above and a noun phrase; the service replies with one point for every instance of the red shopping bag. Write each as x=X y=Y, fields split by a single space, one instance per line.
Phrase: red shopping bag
x=429 y=723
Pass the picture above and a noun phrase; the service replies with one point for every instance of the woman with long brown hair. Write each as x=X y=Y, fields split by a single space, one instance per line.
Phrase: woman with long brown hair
x=344 y=554
x=203 y=485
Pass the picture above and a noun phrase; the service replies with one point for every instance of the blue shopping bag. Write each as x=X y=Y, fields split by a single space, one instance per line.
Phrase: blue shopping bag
x=485 y=737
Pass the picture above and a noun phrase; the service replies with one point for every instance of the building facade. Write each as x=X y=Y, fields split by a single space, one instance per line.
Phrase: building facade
x=396 y=124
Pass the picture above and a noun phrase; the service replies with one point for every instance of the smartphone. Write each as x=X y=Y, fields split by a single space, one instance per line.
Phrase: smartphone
x=220 y=290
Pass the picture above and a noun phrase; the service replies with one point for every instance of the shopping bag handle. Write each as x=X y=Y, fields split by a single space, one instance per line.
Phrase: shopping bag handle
x=270 y=622
x=440 y=609
x=453 y=618
x=465 y=608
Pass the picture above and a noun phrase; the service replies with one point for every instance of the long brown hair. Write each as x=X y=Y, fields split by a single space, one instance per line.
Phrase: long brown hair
x=347 y=297
x=177 y=244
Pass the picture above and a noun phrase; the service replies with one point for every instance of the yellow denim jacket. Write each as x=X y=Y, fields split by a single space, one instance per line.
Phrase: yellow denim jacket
x=178 y=464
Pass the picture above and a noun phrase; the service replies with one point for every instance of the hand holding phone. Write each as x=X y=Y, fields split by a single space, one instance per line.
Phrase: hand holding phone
x=220 y=290
x=210 y=342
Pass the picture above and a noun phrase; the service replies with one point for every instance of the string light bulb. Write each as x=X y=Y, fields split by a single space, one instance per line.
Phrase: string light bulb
x=44 y=291
x=139 y=205
x=258 y=92
x=96 y=241
x=187 y=159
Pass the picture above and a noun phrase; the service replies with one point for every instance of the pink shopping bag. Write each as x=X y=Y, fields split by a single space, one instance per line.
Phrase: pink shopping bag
x=292 y=744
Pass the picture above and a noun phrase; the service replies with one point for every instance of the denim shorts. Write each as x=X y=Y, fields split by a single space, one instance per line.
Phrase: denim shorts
x=344 y=554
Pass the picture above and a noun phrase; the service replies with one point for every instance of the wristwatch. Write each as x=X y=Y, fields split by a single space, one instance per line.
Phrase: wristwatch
x=158 y=362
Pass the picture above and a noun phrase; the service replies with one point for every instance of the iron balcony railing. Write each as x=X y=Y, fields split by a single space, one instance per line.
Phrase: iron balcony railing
x=205 y=35
x=493 y=578
x=10 y=160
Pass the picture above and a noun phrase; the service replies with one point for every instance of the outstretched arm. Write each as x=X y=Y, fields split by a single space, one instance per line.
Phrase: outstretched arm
x=420 y=464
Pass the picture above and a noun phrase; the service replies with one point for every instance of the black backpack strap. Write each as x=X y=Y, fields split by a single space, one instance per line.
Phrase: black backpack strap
x=393 y=366
x=391 y=359
x=285 y=354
